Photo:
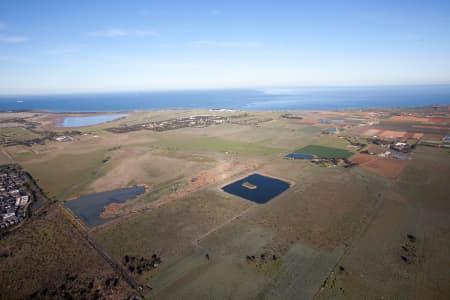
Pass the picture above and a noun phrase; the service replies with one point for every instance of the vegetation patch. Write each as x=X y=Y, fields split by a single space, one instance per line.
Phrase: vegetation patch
x=325 y=152
x=67 y=175
x=16 y=134
x=141 y=264
x=218 y=145
x=310 y=129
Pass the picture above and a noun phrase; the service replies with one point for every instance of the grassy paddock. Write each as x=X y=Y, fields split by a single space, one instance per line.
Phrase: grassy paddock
x=324 y=152
x=16 y=134
x=67 y=175
x=310 y=129
x=218 y=145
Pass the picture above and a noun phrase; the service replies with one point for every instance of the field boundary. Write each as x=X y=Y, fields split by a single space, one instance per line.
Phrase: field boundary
x=84 y=232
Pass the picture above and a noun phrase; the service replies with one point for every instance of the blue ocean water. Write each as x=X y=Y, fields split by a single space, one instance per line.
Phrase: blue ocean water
x=323 y=98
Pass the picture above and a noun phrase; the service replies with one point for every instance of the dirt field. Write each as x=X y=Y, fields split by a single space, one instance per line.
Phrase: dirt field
x=410 y=119
x=362 y=159
x=411 y=135
x=388 y=167
x=371 y=132
x=391 y=134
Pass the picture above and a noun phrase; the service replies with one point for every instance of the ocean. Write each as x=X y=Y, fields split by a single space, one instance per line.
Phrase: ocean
x=323 y=98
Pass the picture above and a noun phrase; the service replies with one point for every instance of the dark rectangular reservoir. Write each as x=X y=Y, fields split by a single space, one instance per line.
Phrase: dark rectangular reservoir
x=89 y=207
x=257 y=188
x=299 y=156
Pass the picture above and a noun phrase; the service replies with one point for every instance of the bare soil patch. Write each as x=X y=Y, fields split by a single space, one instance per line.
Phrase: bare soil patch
x=412 y=135
x=371 y=132
x=196 y=182
x=388 y=167
x=392 y=134
x=409 y=118
x=439 y=120
x=361 y=159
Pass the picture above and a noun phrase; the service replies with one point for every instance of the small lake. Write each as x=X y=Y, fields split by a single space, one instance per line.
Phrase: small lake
x=89 y=120
x=257 y=188
x=89 y=207
x=299 y=156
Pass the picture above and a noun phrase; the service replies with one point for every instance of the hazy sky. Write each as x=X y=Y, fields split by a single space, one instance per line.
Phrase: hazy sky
x=82 y=46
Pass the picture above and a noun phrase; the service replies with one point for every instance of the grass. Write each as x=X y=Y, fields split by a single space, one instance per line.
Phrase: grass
x=218 y=145
x=169 y=230
x=16 y=134
x=161 y=190
x=67 y=175
x=324 y=152
x=310 y=129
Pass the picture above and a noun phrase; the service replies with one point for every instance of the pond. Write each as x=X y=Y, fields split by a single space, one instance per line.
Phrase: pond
x=257 y=188
x=89 y=207
x=299 y=156
x=89 y=120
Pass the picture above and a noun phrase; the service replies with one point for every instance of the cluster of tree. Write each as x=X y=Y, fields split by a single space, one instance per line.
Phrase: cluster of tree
x=141 y=264
x=342 y=162
x=409 y=250
x=291 y=116
x=263 y=257
x=76 y=288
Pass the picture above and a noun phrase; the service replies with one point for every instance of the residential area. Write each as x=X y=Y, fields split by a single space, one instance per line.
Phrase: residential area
x=15 y=196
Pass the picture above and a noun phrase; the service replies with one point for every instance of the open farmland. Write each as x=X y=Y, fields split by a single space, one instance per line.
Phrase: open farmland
x=325 y=152
x=64 y=176
x=336 y=231
x=16 y=134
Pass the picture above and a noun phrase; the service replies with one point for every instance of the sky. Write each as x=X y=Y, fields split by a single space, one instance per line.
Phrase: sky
x=98 y=46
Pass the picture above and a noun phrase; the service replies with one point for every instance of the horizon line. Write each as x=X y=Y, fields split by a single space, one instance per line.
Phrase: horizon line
x=262 y=88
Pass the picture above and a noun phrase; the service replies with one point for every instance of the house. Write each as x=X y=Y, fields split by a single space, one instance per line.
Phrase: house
x=400 y=146
x=8 y=216
x=64 y=138
x=23 y=200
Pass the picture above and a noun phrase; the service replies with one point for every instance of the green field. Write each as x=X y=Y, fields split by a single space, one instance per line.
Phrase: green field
x=16 y=134
x=325 y=152
x=66 y=175
x=217 y=145
x=310 y=129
